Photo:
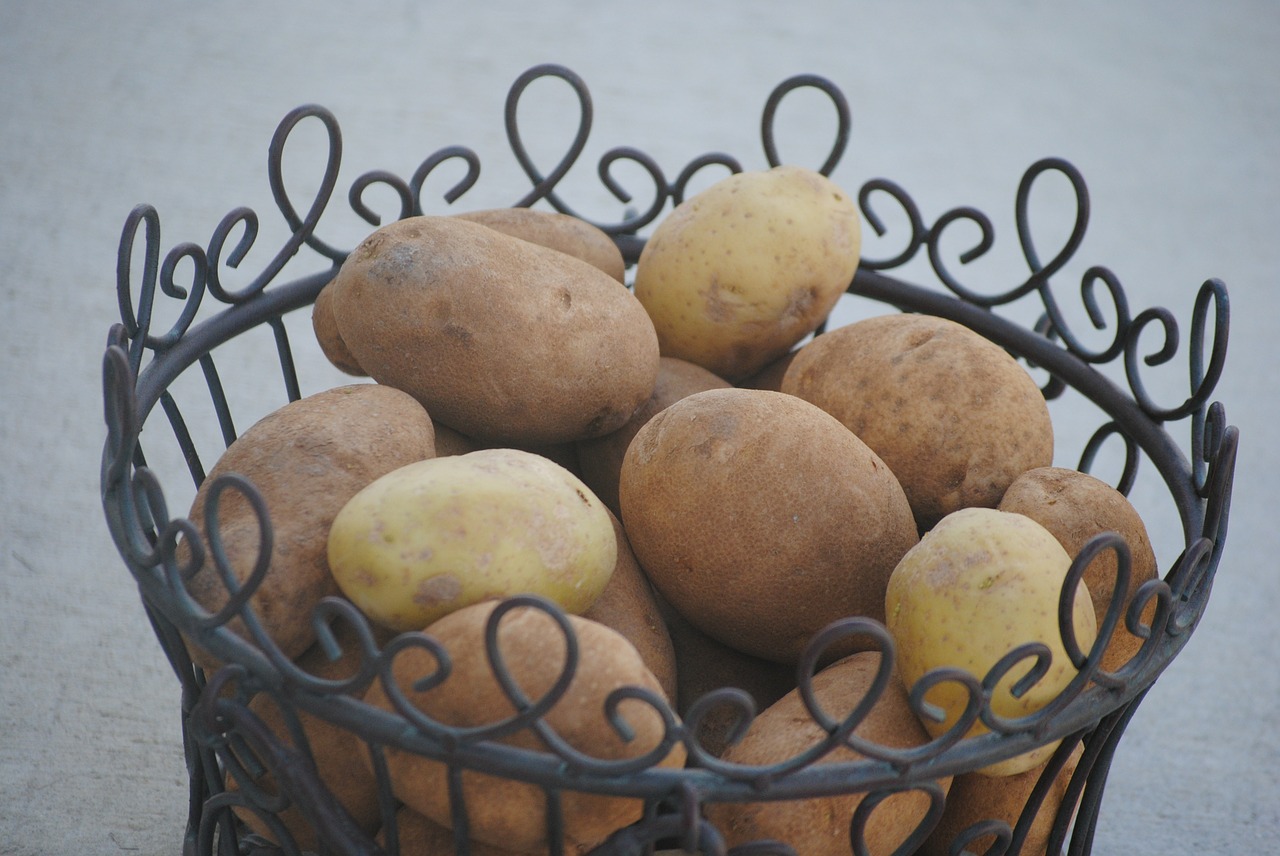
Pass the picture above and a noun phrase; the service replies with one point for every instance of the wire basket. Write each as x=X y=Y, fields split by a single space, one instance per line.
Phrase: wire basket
x=228 y=746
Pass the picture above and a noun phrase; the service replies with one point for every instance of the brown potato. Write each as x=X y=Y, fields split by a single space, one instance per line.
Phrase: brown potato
x=819 y=826
x=1075 y=507
x=770 y=377
x=421 y=836
x=340 y=757
x=628 y=605
x=557 y=231
x=506 y=341
x=761 y=518
x=974 y=798
x=953 y=415
x=703 y=665
x=502 y=811
x=306 y=459
x=325 y=327
x=600 y=459
x=451 y=442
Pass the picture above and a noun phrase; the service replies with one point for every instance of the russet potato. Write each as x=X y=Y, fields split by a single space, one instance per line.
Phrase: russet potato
x=600 y=458
x=501 y=339
x=737 y=274
x=820 y=826
x=306 y=459
x=954 y=416
x=761 y=519
x=563 y=232
x=1075 y=507
x=506 y=812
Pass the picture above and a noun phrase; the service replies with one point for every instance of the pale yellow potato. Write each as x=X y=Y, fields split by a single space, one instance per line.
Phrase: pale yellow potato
x=430 y=538
x=979 y=584
x=736 y=275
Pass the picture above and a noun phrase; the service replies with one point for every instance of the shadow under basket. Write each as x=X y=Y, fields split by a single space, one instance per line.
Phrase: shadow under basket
x=271 y=769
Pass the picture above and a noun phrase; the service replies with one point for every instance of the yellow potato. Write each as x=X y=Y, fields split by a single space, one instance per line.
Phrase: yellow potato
x=979 y=584
x=736 y=275
x=432 y=537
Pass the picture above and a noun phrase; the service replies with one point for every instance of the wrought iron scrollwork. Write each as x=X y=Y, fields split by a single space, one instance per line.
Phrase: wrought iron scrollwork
x=163 y=550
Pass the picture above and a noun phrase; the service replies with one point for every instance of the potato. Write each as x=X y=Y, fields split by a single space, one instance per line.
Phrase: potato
x=979 y=584
x=953 y=415
x=506 y=812
x=440 y=534
x=628 y=605
x=341 y=758
x=325 y=327
x=820 y=826
x=1075 y=507
x=505 y=341
x=557 y=231
x=736 y=275
x=770 y=377
x=761 y=518
x=600 y=459
x=421 y=836
x=306 y=459
x=974 y=798
x=704 y=664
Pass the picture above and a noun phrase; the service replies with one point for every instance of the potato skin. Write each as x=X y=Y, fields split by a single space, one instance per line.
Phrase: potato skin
x=819 y=826
x=974 y=798
x=325 y=327
x=340 y=757
x=306 y=459
x=761 y=519
x=557 y=231
x=600 y=458
x=953 y=415
x=629 y=605
x=503 y=340
x=439 y=534
x=979 y=584
x=736 y=275
x=506 y=812
x=1075 y=507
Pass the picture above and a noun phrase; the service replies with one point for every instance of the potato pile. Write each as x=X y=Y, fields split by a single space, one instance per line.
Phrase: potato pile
x=697 y=481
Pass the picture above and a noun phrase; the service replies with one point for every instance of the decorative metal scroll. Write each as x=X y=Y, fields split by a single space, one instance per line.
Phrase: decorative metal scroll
x=226 y=740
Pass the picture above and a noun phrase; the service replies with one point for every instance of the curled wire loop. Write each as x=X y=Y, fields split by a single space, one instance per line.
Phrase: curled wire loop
x=164 y=551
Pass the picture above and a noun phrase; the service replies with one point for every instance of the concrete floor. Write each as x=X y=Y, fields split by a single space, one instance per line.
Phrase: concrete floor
x=1171 y=111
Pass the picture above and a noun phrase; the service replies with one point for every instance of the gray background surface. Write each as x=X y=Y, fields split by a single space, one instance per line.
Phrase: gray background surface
x=1170 y=110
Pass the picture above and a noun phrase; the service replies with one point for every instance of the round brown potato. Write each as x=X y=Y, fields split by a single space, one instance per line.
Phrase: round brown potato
x=306 y=459
x=1075 y=507
x=558 y=231
x=761 y=518
x=600 y=459
x=506 y=812
x=506 y=341
x=340 y=757
x=628 y=605
x=953 y=415
x=820 y=826
x=325 y=327
x=974 y=798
